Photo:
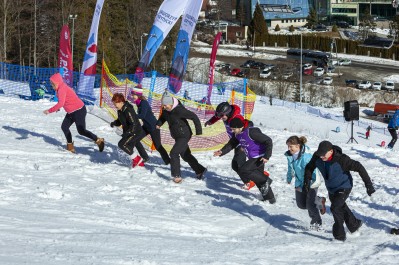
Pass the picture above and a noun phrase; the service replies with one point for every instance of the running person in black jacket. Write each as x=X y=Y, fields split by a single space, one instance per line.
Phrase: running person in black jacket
x=144 y=112
x=132 y=131
x=335 y=168
x=177 y=115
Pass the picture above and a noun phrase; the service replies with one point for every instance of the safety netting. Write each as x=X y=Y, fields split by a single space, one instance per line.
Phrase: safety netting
x=193 y=96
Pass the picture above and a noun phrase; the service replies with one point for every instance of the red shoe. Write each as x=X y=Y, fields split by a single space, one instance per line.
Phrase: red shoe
x=249 y=185
x=137 y=161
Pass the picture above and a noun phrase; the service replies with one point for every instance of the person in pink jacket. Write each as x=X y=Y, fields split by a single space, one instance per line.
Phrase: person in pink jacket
x=76 y=112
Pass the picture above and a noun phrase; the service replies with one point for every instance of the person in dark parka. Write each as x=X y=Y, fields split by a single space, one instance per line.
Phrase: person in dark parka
x=392 y=128
x=176 y=115
x=258 y=148
x=144 y=113
x=335 y=168
x=132 y=131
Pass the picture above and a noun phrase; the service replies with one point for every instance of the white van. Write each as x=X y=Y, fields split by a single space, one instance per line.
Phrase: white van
x=389 y=85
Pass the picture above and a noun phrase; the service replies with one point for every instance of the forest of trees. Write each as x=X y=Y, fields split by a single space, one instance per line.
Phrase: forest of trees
x=30 y=32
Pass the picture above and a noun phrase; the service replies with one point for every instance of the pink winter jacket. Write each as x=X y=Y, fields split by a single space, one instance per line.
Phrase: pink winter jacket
x=67 y=98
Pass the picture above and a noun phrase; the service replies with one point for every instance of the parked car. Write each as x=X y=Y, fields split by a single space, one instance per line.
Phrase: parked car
x=377 y=85
x=235 y=71
x=364 y=85
x=268 y=66
x=257 y=65
x=327 y=80
x=243 y=73
x=265 y=73
x=308 y=71
x=307 y=66
x=351 y=82
x=344 y=62
x=389 y=85
x=247 y=64
x=331 y=69
x=320 y=27
x=318 y=72
x=287 y=74
x=343 y=24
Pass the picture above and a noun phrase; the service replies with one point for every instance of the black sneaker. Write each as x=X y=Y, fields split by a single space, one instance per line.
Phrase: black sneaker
x=201 y=175
x=395 y=231
x=357 y=229
x=265 y=188
x=272 y=200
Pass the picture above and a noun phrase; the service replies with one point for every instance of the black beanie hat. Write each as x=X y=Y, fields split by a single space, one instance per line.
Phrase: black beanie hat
x=236 y=123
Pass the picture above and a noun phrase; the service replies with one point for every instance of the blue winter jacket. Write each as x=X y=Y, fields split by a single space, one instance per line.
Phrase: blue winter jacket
x=336 y=172
x=144 y=112
x=394 y=122
x=296 y=168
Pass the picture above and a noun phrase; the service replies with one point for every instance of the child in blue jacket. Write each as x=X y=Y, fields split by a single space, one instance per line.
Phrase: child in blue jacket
x=298 y=158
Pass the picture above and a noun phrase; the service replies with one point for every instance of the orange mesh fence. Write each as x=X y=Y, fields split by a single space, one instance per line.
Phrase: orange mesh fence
x=213 y=137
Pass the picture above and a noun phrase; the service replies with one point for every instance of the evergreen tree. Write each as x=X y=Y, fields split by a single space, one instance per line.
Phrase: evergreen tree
x=366 y=24
x=334 y=28
x=277 y=28
x=312 y=19
x=291 y=28
x=258 y=27
x=394 y=28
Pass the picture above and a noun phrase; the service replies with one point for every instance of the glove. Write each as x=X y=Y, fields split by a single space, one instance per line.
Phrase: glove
x=112 y=124
x=207 y=124
x=306 y=185
x=396 y=128
x=370 y=189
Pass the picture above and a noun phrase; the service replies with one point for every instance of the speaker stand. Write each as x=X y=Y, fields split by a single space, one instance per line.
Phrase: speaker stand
x=352 y=139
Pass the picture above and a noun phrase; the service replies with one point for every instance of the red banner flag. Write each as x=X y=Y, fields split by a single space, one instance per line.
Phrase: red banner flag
x=65 y=56
x=215 y=46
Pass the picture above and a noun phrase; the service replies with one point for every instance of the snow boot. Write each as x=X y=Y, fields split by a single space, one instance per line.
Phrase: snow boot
x=70 y=147
x=265 y=189
x=100 y=142
x=177 y=179
x=201 y=175
x=137 y=161
x=395 y=231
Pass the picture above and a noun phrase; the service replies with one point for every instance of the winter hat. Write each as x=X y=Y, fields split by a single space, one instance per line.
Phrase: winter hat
x=236 y=123
x=137 y=91
x=167 y=99
x=324 y=147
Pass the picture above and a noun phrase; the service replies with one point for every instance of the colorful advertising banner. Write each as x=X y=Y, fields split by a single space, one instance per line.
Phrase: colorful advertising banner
x=180 y=57
x=88 y=72
x=65 y=56
x=215 y=46
x=168 y=14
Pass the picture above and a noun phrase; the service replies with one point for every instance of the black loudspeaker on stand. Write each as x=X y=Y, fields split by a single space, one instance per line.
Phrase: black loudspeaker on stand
x=351 y=113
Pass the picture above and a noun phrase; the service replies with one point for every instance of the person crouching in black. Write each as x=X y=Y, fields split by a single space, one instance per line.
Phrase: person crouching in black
x=132 y=130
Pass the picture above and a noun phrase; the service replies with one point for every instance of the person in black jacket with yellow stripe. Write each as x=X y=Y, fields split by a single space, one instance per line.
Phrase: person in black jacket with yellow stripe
x=132 y=131
x=177 y=115
x=335 y=168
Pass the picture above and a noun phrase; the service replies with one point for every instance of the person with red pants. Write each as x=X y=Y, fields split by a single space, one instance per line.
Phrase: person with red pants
x=226 y=112
x=132 y=131
x=76 y=113
x=144 y=113
x=257 y=147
